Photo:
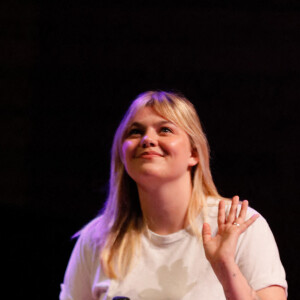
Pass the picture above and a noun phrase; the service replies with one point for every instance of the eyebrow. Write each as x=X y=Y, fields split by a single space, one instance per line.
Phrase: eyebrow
x=138 y=124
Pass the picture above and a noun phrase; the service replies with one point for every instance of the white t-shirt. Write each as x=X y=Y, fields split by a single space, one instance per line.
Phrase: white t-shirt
x=173 y=266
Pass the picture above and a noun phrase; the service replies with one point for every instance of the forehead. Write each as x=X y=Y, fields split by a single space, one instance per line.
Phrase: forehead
x=147 y=114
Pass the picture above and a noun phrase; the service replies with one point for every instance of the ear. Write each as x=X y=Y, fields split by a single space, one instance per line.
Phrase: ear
x=194 y=158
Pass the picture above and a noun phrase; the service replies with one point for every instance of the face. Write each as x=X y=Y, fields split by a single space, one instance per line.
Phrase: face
x=155 y=148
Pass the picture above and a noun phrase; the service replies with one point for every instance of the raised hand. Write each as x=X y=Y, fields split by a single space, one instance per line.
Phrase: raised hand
x=222 y=247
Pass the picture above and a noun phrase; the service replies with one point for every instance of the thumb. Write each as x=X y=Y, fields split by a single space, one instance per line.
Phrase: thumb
x=206 y=233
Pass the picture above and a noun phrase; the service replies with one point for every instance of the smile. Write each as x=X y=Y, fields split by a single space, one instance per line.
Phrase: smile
x=150 y=154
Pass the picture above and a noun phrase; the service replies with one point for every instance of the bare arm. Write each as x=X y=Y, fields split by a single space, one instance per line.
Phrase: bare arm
x=220 y=251
x=272 y=292
x=236 y=286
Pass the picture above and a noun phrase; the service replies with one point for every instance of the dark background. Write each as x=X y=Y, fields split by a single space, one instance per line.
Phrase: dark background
x=70 y=70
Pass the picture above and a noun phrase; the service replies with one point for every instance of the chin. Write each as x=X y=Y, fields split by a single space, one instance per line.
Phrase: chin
x=147 y=174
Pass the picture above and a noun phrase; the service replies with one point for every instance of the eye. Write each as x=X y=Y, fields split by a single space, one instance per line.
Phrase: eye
x=166 y=130
x=134 y=131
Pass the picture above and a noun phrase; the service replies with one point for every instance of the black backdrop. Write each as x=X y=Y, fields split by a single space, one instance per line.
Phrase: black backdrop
x=71 y=68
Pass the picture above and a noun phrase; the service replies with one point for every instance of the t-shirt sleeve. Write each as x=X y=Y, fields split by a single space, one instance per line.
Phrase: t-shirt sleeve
x=78 y=279
x=258 y=256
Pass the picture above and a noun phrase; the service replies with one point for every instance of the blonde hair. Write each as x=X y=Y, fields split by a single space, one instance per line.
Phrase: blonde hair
x=122 y=218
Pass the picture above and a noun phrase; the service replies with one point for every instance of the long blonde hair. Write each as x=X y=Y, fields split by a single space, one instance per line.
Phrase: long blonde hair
x=122 y=218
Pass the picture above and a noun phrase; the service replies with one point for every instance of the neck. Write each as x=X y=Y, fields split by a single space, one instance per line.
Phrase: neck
x=165 y=206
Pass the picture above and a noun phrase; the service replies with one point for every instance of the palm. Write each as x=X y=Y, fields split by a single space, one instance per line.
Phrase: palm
x=223 y=245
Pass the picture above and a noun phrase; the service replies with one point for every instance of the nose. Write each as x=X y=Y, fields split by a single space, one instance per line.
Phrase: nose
x=148 y=141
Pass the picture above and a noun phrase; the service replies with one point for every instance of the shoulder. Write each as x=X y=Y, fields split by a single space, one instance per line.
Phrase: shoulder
x=84 y=263
x=259 y=230
x=91 y=234
x=212 y=214
x=213 y=203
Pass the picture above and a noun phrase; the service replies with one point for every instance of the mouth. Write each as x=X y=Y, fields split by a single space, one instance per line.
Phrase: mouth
x=150 y=154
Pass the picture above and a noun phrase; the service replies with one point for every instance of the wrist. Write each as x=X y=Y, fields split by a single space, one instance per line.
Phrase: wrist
x=226 y=262
x=225 y=269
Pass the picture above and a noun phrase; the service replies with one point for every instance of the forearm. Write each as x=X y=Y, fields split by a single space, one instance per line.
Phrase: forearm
x=233 y=281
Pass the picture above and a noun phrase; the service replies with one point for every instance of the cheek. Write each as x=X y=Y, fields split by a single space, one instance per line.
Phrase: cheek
x=128 y=154
x=180 y=147
x=127 y=150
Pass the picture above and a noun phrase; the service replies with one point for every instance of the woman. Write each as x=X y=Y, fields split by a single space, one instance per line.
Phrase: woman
x=165 y=232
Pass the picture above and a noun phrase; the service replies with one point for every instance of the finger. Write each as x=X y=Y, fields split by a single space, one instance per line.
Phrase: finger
x=206 y=233
x=244 y=208
x=233 y=209
x=250 y=221
x=221 y=213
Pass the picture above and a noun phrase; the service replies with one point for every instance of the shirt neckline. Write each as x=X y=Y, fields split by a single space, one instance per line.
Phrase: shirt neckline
x=168 y=238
